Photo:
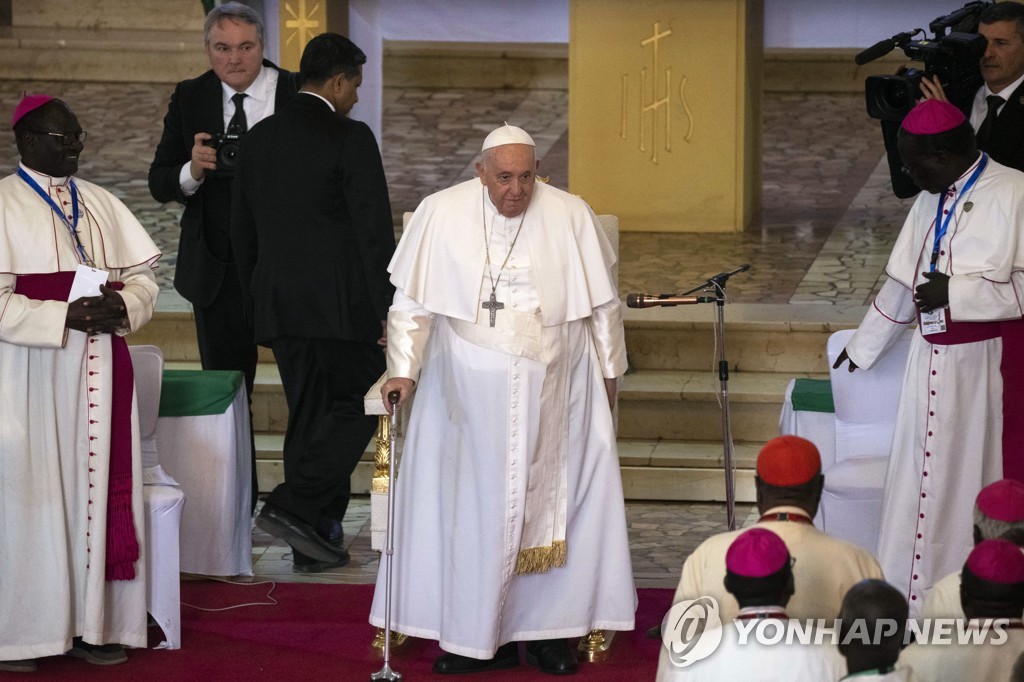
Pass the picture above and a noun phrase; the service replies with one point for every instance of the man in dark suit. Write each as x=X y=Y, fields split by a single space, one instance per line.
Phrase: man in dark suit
x=996 y=111
x=312 y=234
x=185 y=170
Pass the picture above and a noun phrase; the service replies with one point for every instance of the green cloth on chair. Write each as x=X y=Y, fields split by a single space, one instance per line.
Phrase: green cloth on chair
x=813 y=395
x=196 y=392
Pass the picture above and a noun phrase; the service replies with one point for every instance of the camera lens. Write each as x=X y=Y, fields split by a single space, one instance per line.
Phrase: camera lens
x=227 y=155
x=895 y=95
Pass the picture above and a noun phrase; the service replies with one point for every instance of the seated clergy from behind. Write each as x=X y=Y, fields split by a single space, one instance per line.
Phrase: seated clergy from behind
x=998 y=513
x=992 y=596
x=789 y=483
x=873 y=626
x=759 y=575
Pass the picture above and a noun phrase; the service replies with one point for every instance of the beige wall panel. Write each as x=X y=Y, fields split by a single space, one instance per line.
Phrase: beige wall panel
x=664 y=111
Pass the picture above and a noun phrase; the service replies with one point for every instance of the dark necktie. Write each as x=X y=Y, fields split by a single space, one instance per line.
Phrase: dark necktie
x=238 y=121
x=985 y=131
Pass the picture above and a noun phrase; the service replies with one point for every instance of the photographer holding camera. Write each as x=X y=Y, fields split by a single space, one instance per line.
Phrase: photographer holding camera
x=202 y=130
x=996 y=111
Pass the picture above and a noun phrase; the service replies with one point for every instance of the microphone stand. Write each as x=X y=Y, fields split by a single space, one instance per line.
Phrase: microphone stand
x=716 y=286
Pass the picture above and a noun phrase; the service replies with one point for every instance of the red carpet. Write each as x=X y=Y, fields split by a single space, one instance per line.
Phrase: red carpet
x=318 y=632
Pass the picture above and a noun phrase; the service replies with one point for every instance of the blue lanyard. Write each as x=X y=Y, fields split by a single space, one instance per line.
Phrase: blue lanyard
x=942 y=225
x=72 y=226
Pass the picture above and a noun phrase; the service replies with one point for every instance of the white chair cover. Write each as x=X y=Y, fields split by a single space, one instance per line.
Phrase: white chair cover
x=866 y=402
x=148 y=366
x=163 y=502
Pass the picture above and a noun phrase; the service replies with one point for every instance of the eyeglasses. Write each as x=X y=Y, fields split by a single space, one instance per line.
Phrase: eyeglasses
x=67 y=139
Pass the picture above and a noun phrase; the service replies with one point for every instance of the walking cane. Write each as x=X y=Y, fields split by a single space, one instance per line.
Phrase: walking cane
x=386 y=673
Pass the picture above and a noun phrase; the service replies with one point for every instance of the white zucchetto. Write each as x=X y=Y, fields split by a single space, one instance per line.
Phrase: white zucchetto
x=507 y=134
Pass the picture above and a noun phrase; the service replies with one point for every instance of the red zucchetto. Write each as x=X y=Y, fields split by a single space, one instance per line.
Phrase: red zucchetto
x=787 y=461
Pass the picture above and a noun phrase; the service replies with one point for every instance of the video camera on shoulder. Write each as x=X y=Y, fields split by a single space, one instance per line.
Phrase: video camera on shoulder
x=227 y=144
x=953 y=57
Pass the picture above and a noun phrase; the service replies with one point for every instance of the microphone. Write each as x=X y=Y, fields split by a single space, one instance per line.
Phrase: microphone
x=882 y=48
x=742 y=268
x=720 y=279
x=651 y=300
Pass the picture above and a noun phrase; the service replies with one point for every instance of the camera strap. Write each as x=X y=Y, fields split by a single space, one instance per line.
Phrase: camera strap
x=942 y=224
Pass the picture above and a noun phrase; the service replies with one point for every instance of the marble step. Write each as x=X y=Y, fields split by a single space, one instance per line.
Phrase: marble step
x=788 y=339
x=101 y=54
x=653 y=404
x=129 y=15
x=782 y=338
x=650 y=470
x=684 y=405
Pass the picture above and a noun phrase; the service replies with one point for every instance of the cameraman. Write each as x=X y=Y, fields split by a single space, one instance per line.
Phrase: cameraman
x=184 y=169
x=997 y=109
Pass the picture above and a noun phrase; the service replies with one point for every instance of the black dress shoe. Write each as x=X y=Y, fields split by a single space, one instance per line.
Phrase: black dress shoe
x=296 y=532
x=98 y=654
x=331 y=530
x=306 y=564
x=552 y=656
x=507 y=656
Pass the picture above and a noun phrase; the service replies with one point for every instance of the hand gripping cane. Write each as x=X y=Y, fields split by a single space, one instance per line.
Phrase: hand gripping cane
x=386 y=673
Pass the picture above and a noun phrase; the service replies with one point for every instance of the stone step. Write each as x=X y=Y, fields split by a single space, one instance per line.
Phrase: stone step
x=684 y=405
x=759 y=338
x=650 y=470
x=653 y=404
x=100 y=54
x=129 y=15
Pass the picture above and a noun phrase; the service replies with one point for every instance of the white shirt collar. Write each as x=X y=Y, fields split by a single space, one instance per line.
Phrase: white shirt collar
x=1005 y=92
x=43 y=179
x=322 y=99
x=257 y=90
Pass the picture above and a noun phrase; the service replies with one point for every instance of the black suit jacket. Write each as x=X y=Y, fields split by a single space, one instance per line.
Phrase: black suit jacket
x=311 y=226
x=204 y=249
x=1005 y=143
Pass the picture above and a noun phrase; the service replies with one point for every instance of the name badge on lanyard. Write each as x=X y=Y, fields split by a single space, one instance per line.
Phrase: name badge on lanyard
x=934 y=322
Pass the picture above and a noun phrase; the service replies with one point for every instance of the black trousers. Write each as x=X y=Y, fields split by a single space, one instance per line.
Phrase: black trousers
x=226 y=342
x=324 y=383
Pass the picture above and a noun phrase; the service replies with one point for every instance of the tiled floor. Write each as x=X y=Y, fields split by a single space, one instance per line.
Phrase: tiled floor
x=828 y=223
x=661 y=535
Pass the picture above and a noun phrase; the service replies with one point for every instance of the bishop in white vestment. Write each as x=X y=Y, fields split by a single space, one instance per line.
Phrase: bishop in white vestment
x=71 y=515
x=957 y=269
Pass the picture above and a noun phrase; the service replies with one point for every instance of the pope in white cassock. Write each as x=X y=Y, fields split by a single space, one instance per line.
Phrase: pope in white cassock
x=510 y=521
x=957 y=269
x=72 y=571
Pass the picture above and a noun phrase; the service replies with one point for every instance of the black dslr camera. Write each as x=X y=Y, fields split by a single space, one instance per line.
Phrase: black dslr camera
x=227 y=145
x=953 y=57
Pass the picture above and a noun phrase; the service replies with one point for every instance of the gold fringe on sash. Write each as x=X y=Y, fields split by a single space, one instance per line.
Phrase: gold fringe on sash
x=541 y=559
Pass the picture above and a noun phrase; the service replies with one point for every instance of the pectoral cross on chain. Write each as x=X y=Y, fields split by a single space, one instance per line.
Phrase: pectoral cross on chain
x=492 y=306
